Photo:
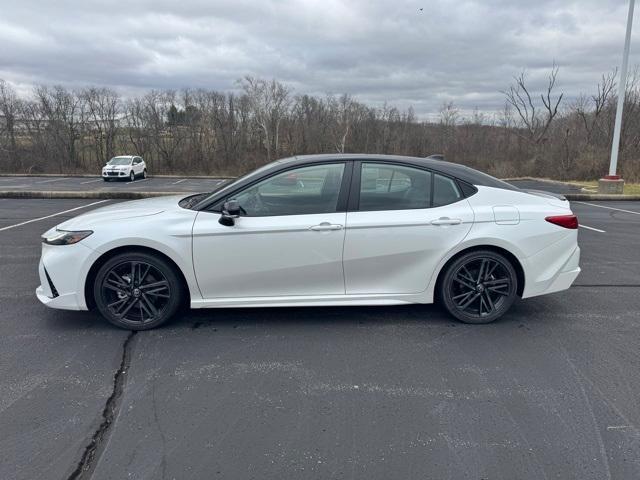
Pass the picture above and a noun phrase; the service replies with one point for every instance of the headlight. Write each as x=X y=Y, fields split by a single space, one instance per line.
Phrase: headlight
x=64 y=237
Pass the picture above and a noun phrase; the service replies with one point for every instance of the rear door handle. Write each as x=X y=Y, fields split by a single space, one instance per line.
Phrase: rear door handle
x=325 y=226
x=446 y=221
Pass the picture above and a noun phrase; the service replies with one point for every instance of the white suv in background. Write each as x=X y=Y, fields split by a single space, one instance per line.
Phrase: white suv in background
x=128 y=166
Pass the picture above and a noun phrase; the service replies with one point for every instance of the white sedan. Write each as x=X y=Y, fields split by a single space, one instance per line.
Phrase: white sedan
x=313 y=231
x=127 y=167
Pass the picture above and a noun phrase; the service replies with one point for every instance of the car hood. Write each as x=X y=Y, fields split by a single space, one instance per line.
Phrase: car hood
x=121 y=211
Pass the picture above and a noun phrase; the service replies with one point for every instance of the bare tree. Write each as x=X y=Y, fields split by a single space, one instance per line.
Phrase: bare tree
x=269 y=101
x=590 y=109
x=103 y=108
x=535 y=118
x=9 y=108
x=343 y=110
x=61 y=111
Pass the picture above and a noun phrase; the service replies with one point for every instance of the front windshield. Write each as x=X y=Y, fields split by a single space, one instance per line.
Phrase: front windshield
x=120 y=161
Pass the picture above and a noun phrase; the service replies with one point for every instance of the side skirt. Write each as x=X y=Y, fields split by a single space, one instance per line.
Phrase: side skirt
x=309 y=301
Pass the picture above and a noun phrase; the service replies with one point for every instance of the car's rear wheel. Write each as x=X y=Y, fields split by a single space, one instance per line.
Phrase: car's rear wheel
x=479 y=287
x=137 y=291
x=132 y=176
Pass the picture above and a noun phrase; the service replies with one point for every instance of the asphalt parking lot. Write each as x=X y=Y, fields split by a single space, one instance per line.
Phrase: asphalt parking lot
x=97 y=184
x=550 y=391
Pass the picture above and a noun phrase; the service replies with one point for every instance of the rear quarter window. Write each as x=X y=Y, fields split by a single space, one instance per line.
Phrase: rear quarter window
x=445 y=191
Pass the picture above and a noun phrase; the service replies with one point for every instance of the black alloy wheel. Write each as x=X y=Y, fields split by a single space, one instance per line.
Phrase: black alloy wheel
x=137 y=291
x=479 y=287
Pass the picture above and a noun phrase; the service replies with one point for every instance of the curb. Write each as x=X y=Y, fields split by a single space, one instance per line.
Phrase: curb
x=84 y=175
x=599 y=196
x=534 y=179
x=131 y=195
x=90 y=195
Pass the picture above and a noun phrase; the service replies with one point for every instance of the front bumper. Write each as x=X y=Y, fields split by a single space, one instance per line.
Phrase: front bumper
x=114 y=173
x=62 y=270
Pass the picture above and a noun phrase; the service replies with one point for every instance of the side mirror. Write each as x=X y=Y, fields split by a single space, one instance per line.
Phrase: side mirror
x=230 y=211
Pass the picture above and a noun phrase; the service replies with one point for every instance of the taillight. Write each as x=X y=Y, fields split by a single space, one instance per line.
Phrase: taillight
x=566 y=221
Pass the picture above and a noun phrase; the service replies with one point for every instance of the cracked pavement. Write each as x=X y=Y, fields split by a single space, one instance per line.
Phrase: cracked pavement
x=376 y=392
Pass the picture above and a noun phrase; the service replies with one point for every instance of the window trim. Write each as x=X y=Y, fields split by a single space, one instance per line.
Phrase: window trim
x=343 y=194
x=354 y=192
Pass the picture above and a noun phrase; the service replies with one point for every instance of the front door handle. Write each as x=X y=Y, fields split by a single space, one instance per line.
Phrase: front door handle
x=325 y=226
x=446 y=221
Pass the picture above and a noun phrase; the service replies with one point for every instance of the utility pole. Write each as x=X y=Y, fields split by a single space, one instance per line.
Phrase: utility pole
x=613 y=183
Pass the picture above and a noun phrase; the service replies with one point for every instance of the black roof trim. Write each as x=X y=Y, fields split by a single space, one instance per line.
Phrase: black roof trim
x=433 y=162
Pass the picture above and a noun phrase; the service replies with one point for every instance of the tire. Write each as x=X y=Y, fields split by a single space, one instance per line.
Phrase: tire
x=479 y=287
x=106 y=179
x=132 y=176
x=137 y=291
x=144 y=173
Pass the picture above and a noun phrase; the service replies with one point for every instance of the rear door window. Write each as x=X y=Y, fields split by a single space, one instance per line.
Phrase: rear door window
x=393 y=187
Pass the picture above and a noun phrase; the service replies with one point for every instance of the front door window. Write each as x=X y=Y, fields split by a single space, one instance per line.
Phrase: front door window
x=301 y=191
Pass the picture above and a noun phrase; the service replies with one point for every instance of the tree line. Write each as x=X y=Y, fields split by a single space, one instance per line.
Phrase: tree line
x=199 y=131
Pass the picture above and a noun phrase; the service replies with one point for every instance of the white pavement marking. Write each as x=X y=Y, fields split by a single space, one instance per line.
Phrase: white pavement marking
x=179 y=181
x=610 y=208
x=91 y=181
x=137 y=181
x=52 y=215
x=591 y=228
x=52 y=180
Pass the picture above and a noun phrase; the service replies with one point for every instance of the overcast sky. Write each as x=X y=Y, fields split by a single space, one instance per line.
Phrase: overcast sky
x=461 y=51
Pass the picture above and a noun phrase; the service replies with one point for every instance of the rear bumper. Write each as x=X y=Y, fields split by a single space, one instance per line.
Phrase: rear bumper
x=563 y=281
x=548 y=276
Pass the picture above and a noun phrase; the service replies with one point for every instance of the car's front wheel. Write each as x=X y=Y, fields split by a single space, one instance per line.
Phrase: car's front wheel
x=144 y=173
x=479 y=287
x=132 y=176
x=137 y=291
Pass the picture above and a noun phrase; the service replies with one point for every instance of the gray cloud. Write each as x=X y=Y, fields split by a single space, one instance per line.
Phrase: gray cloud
x=461 y=51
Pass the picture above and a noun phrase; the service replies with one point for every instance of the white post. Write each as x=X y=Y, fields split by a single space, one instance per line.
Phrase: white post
x=621 y=92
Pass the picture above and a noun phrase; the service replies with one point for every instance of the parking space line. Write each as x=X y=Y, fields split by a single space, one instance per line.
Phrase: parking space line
x=179 y=181
x=52 y=215
x=610 y=208
x=52 y=180
x=91 y=181
x=137 y=181
x=591 y=228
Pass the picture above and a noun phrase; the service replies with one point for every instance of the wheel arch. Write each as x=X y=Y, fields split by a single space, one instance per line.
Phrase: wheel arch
x=503 y=251
x=93 y=270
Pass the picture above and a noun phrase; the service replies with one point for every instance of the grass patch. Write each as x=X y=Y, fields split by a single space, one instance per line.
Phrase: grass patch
x=629 y=188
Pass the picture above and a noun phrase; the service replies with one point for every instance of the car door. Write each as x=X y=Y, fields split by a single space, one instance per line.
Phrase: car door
x=401 y=222
x=288 y=241
x=137 y=166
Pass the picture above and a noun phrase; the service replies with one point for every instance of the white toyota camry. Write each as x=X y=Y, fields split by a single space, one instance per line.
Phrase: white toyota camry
x=317 y=230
